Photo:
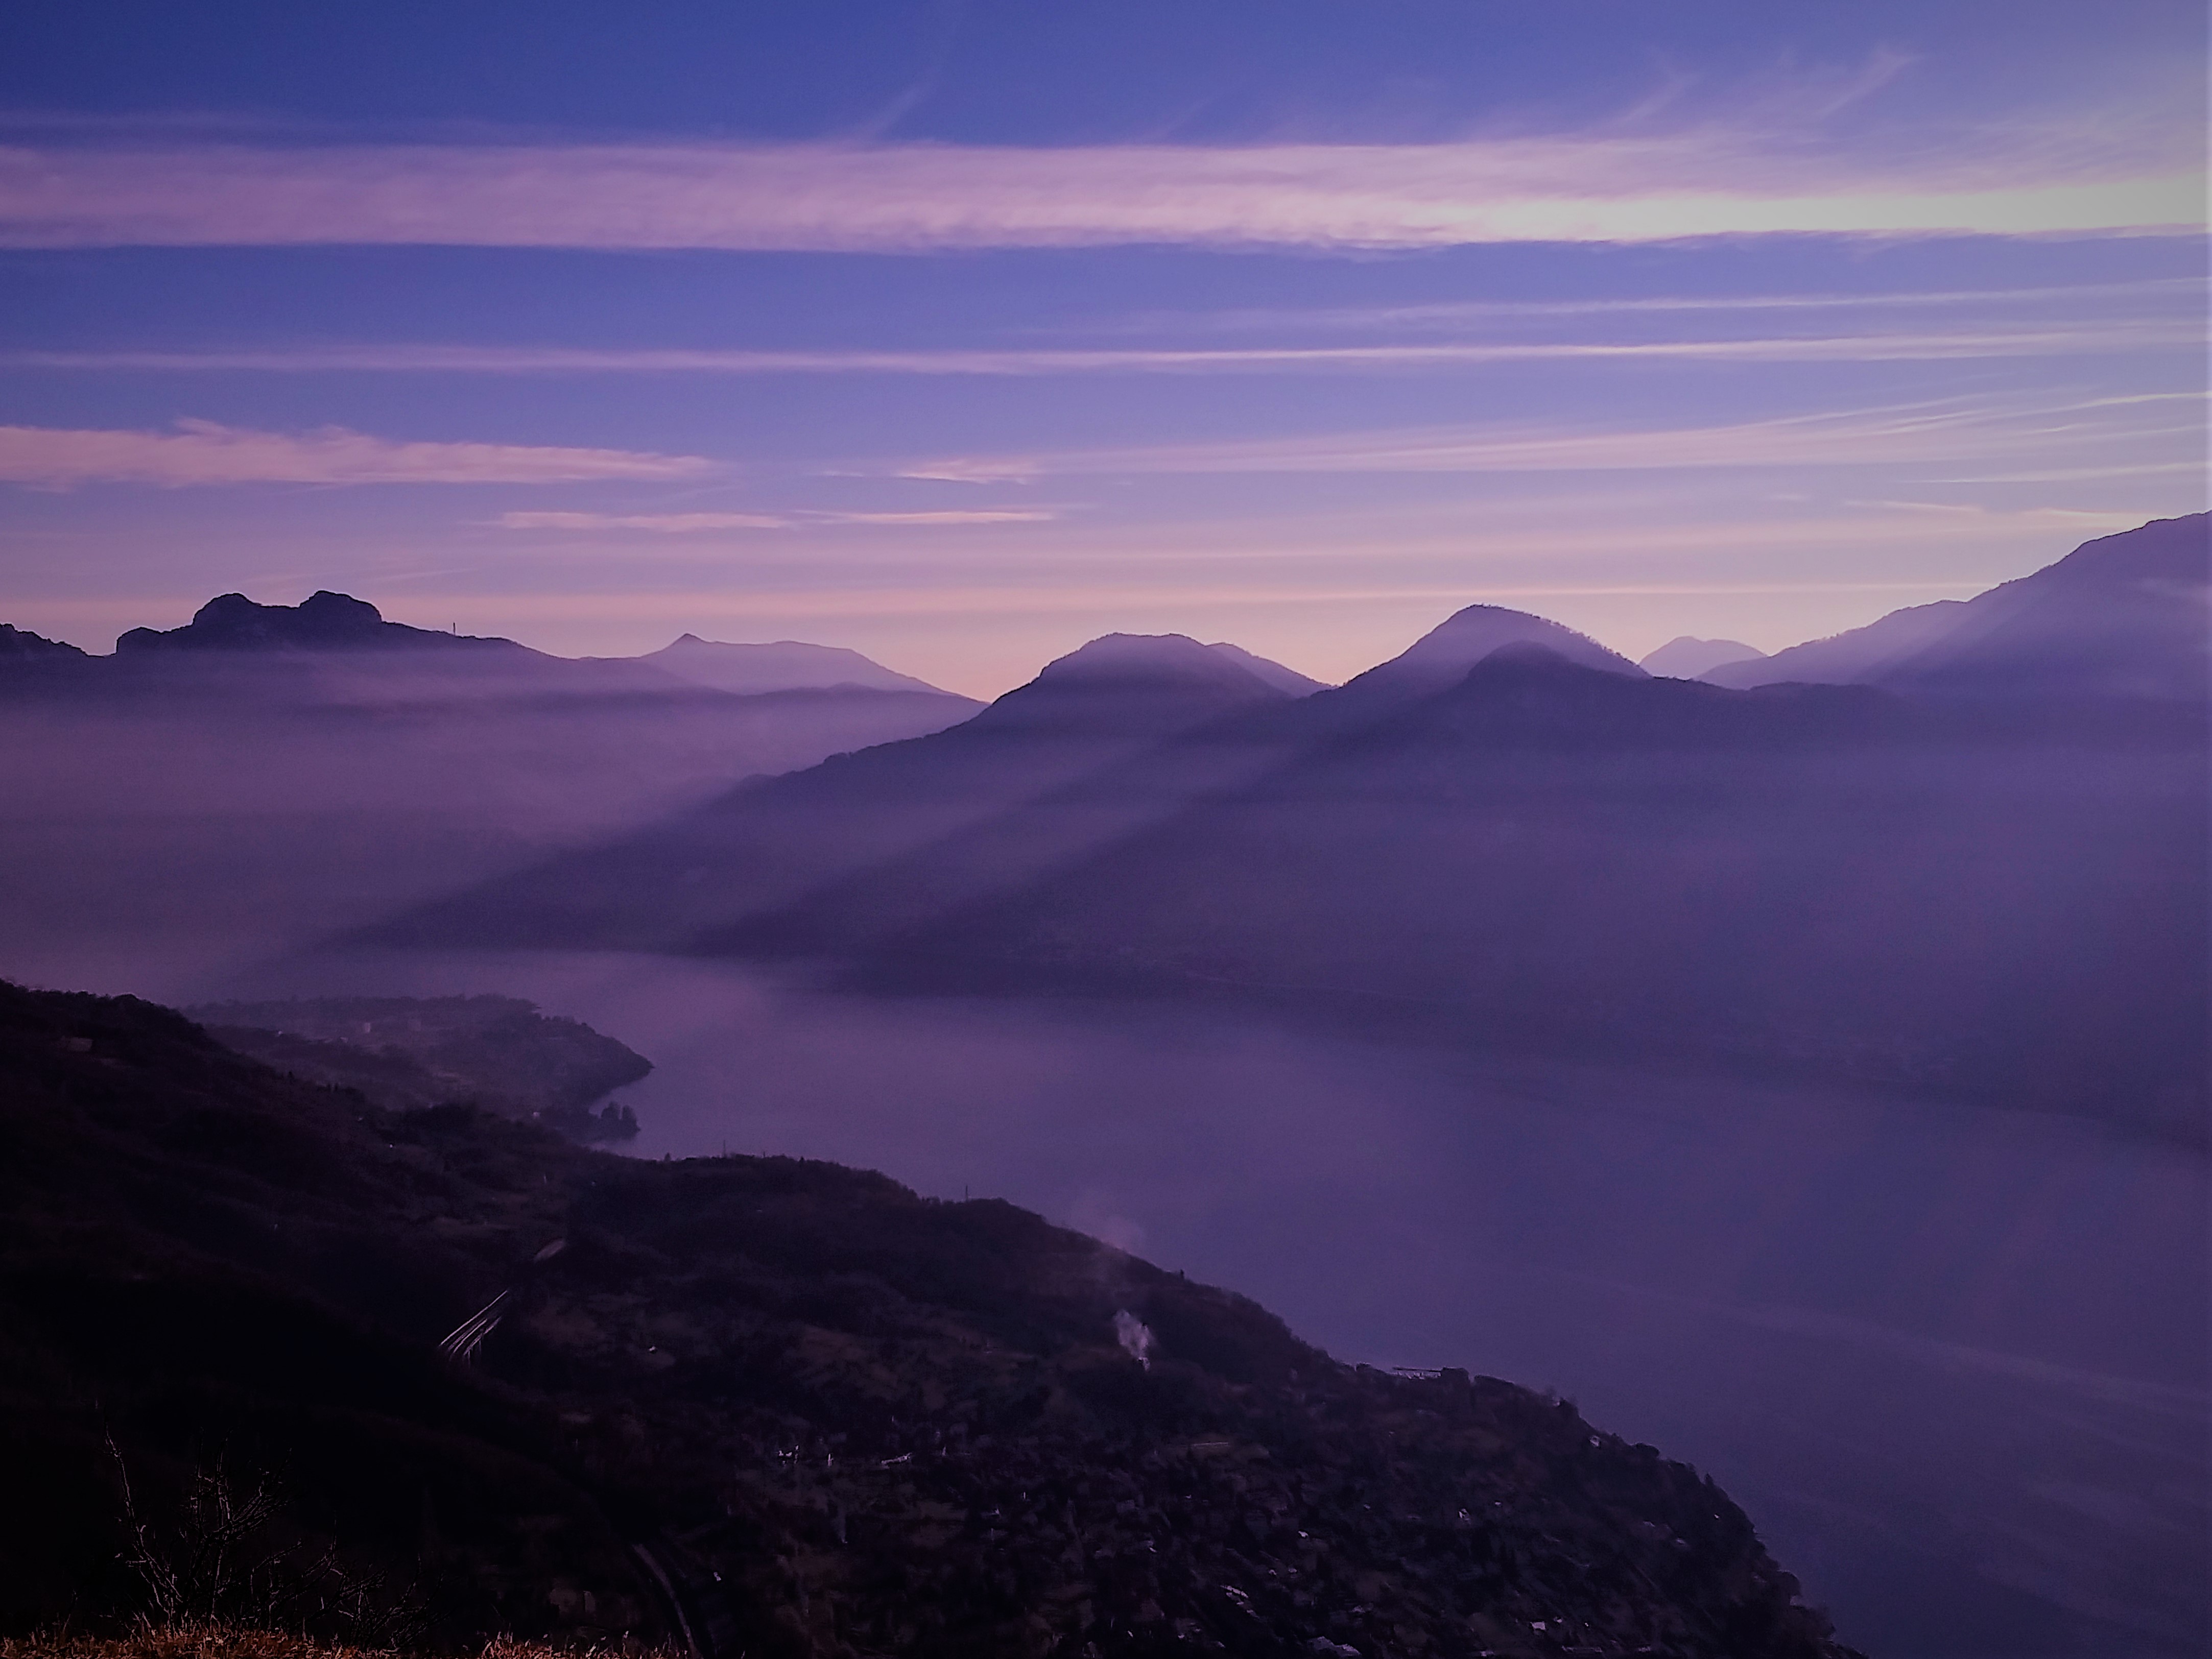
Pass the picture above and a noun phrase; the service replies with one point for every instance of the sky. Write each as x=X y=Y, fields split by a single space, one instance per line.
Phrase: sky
x=960 y=333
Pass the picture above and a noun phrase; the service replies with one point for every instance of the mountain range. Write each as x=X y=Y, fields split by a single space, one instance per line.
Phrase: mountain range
x=328 y=637
x=2122 y=616
x=269 y=773
x=1961 y=874
x=785 y=665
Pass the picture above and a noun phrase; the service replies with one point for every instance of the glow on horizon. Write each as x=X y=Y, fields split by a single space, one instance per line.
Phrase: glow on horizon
x=1717 y=320
x=987 y=623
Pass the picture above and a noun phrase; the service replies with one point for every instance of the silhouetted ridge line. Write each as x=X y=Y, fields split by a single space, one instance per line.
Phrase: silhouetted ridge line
x=1133 y=683
x=21 y=645
x=782 y=665
x=322 y=622
x=1445 y=653
x=2123 y=616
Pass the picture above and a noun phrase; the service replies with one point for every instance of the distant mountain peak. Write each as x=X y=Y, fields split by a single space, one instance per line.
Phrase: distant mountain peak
x=1131 y=684
x=1146 y=656
x=2177 y=551
x=1445 y=654
x=751 y=670
x=2123 y=615
x=1686 y=657
x=21 y=645
x=322 y=622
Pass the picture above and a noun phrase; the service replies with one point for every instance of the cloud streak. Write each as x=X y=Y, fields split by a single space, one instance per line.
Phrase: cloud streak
x=1610 y=188
x=2080 y=340
x=2185 y=292
x=665 y=523
x=682 y=524
x=1949 y=431
x=203 y=452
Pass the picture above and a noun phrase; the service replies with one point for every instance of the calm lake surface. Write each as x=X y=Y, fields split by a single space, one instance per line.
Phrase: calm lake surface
x=1953 y=1362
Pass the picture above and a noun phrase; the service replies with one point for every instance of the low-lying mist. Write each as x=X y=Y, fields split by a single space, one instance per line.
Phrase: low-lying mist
x=180 y=815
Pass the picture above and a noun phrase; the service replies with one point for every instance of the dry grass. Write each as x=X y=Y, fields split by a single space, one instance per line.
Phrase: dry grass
x=218 y=1641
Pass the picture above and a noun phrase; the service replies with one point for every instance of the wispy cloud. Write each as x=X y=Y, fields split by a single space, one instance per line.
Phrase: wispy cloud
x=1610 y=187
x=203 y=452
x=678 y=524
x=666 y=524
x=1951 y=430
x=2079 y=339
x=947 y=516
x=2177 y=294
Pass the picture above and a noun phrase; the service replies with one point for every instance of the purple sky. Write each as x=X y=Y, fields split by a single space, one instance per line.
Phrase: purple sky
x=961 y=333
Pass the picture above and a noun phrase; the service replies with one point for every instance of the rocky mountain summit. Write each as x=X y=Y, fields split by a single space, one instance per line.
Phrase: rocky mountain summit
x=751 y=1405
x=21 y=645
x=322 y=622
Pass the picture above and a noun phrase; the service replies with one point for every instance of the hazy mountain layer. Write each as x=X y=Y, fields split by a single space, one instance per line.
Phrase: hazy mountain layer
x=176 y=805
x=771 y=844
x=784 y=665
x=1509 y=837
x=1105 y=740
x=2122 y=616
x=1444 y=656
x=1684 y=657
x=782 y=1408
x=1546 y=856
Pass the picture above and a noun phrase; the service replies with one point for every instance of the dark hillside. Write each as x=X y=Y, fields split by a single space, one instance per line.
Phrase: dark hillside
x=497 y=1052
x=775 y=1407
x=21 y=645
